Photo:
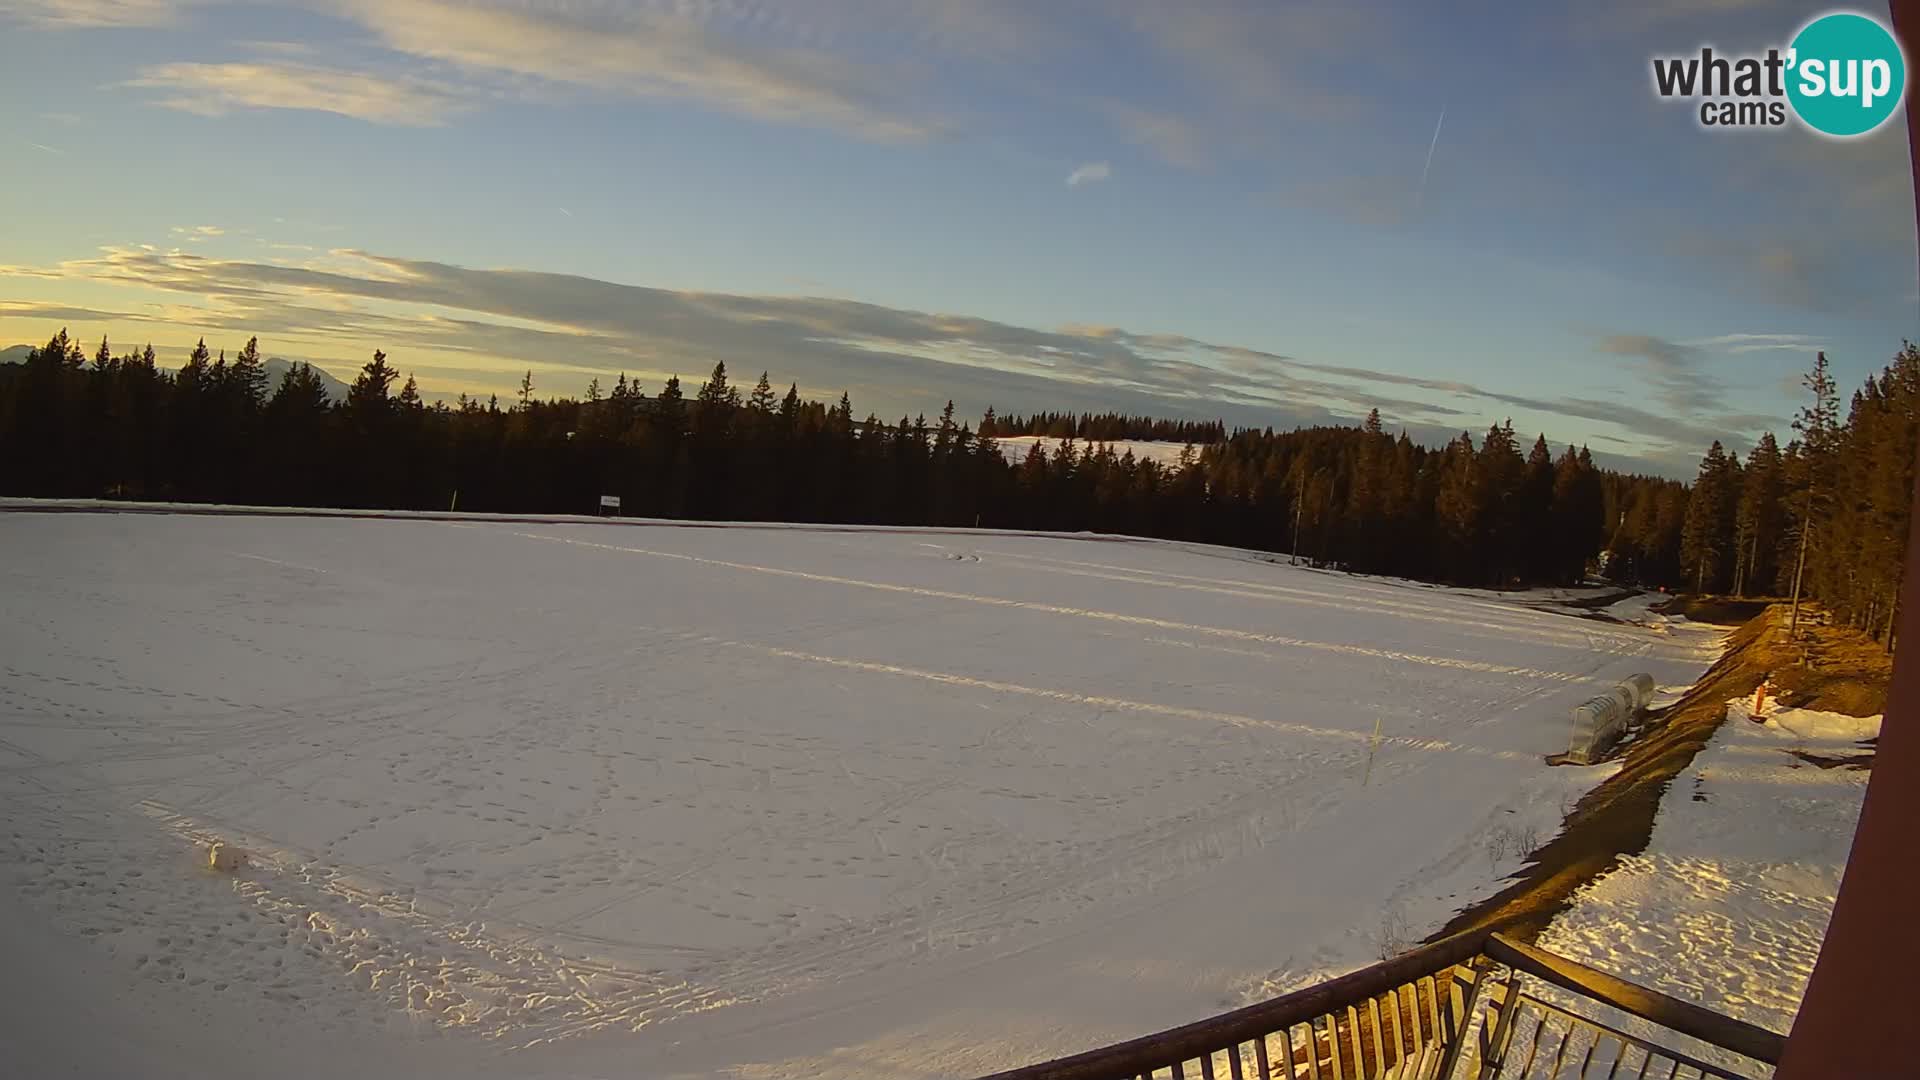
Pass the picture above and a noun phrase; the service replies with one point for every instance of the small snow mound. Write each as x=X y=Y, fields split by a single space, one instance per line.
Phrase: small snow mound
x=1814 y=725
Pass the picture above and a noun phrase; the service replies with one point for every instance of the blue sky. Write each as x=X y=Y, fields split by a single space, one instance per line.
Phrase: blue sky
x=1195 y=208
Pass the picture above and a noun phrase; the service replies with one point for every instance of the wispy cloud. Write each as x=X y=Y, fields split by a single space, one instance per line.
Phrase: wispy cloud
x=909 y=359
x=218 y=89
x=1091 y=173
x=1745 y=343
x=1673 y=370
x=1682 y=375
x=652 y=53
x=91 y=14
x=44 y=148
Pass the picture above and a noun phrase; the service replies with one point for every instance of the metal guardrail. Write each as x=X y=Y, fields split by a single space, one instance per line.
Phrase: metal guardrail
x=1456 y=1008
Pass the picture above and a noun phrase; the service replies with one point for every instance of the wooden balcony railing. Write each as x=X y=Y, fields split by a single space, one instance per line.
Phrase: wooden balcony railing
x=1462 y=1007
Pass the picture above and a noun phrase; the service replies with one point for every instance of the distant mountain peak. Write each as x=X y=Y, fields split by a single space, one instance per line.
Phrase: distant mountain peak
x=276 y=369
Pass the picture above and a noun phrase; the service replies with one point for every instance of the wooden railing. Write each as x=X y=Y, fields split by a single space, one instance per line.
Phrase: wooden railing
x=1453 y=1009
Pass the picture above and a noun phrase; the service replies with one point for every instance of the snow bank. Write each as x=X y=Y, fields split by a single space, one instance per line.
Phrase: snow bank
x=1728 y=905
x=1811 y=726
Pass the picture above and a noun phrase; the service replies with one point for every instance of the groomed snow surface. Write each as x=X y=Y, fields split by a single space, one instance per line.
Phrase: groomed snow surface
x=1729 y=903
x=1015 y=448
x=565 y=799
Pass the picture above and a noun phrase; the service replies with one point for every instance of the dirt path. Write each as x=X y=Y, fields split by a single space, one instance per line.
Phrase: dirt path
x=1833 y=671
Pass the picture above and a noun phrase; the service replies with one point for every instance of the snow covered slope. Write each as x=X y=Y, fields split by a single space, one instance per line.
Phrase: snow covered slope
x=1016 y=447
x=561 y=799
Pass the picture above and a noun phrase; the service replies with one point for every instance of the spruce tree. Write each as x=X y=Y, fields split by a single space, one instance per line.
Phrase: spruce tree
x=369 y=396
x=1816 y=424
x=762 y=400
x=1707 y=532
x=1758 y=518
x=247 y=378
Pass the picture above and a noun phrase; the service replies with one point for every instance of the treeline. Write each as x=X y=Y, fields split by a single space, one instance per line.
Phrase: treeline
x=1838 y=496
x=1107 y=427
x=1490 y=514
x=1493 y=512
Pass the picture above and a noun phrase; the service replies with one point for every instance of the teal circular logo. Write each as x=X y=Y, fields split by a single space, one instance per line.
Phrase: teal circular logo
x=1846 y=74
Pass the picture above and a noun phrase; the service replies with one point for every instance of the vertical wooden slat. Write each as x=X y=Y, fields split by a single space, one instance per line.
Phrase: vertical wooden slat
x=1560 y=1055
x=1379 y=1045
x=1539 y=1027
x=1233 y=1063
x=1410 y=1027
x=1501 y=1026
x=1619 y=1056
x=1460 y=1017
x=1260 y=1059
x=1356 y=1053
x=1179 y=1071
x=1414 y=1027
x=1592 y=1045
x=1390 y=1017
x=1417 y=1029
x=1313 y=1052
x=1206 y=1066
x=1333 y=1046
x=1433 y=1012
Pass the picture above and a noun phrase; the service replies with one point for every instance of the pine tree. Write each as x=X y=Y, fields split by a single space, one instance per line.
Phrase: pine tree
x=300 y=393
x=192 y=378
x=762 y=400
x=1815 y=423
x=715 y=394
x=1501 y=535
x=1707 y=532
x=1459 y=509
x=943 y=438
x=247 y=379
x=63 y=351
x=1758 y=518
x=369 y=395
x=672 y=407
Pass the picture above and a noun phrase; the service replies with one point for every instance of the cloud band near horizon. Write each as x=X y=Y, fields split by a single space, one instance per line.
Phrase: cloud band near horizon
x=476 y=329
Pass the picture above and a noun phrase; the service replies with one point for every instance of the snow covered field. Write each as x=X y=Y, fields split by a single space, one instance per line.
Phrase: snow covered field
x=1729 y=903
x=564 y=799
x=1016 y=447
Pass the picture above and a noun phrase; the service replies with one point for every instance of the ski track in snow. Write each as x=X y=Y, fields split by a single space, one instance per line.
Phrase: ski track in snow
x=765 y=801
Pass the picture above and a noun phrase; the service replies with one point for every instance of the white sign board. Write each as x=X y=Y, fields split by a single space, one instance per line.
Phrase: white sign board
x=609 y=502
